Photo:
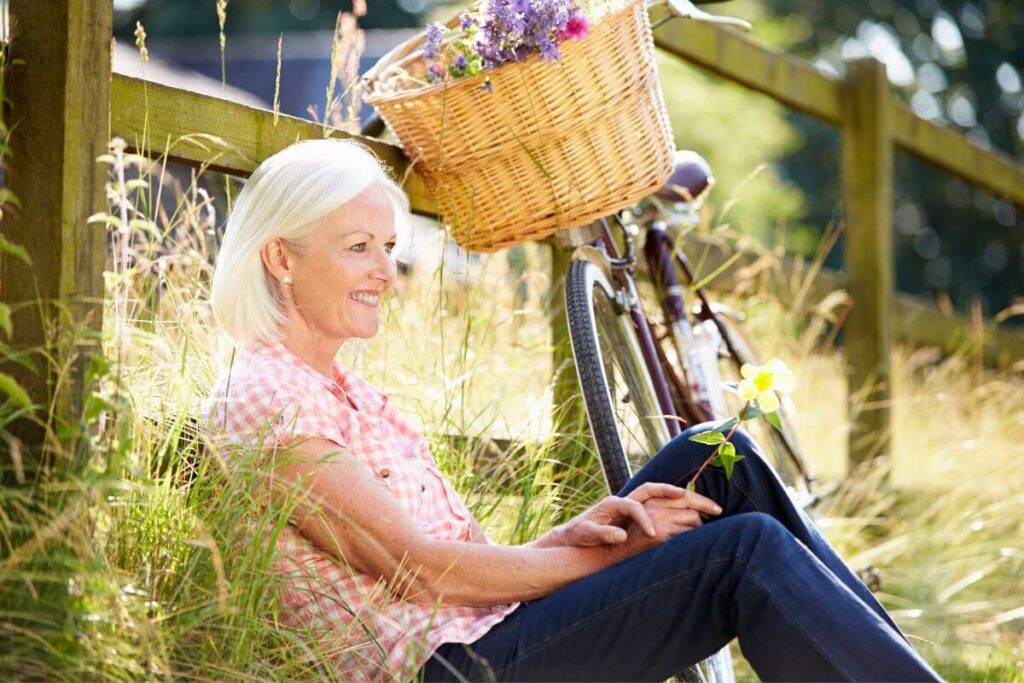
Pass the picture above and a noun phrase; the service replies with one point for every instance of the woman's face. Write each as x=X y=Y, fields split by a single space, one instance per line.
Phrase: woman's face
x=344 y=268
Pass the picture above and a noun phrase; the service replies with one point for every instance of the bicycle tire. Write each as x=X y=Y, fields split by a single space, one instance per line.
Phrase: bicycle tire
x=601 y=334
x=625 y=417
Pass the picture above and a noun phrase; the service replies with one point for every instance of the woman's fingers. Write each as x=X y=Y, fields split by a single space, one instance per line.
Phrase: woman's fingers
x=653 y=489
x=593 y=533
x=629 y=509
x=689 y=519
x=675 y=494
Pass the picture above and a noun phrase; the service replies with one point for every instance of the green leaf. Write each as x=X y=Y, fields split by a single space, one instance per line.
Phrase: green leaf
x=22 y=358
x=94 y=405
x=773 y=418
x=710 y=438
x=98 y=367
x=691 y=485
x=105 y=218
x=534 y=159
x=752 y=412
x=15 y=250
x=726 y=425
x=5 y=319
x=729 y=463
x=8 y=197
x=14 y=391
x=727 y=449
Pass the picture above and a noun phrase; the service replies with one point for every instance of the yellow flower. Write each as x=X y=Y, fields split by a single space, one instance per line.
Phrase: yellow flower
x=763 y=383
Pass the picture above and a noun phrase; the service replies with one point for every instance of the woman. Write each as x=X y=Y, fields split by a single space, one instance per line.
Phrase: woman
x=387 y=567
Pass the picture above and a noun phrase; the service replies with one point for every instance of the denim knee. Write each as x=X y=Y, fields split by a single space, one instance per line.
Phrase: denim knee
x=744 y=534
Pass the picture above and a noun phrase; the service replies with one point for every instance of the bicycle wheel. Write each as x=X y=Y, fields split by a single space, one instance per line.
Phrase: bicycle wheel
x=780 y=446
x=625 y=417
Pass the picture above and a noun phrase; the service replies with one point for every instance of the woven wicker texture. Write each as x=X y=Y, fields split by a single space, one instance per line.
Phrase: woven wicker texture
x=554 y=145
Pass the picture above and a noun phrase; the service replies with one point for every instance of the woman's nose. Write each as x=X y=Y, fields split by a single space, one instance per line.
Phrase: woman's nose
x=385 y=267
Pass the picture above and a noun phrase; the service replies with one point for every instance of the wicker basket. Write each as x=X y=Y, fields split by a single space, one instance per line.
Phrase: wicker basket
x=555 y=145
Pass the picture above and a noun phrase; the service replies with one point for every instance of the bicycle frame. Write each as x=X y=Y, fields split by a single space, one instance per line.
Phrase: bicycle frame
x=661 y=253
x=622 y=266
x=659 y=249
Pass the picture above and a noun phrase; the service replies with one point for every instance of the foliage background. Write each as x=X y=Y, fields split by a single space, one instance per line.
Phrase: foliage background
x=125 y=572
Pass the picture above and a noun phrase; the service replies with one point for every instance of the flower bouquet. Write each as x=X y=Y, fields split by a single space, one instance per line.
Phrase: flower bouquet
x=528 y=116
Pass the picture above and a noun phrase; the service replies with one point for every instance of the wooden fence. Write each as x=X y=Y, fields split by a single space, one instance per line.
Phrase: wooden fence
x=61 y=104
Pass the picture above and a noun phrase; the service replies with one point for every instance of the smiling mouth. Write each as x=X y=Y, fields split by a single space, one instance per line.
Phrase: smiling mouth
x=365 y=299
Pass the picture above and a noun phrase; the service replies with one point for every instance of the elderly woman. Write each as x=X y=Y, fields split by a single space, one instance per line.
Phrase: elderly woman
x=384 y=564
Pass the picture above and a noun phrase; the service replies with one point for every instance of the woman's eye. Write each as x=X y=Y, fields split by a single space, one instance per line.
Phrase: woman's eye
x=360 y=248
x=390 y=246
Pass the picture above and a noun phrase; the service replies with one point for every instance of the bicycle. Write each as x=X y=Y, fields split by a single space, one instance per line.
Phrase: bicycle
x=643 y=378
x=611 y=334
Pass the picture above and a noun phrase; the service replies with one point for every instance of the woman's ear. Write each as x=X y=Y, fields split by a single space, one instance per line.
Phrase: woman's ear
x=277 y=260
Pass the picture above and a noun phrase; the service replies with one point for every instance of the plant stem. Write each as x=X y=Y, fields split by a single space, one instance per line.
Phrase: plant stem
x=704 y=465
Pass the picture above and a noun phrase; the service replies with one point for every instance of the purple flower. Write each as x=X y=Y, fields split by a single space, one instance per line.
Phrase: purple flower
x=549 y=51
x=507 y=31
x=432 y=46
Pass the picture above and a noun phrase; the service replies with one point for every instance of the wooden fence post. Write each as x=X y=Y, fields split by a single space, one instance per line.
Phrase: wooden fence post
x=59 y=113
x=867 y=181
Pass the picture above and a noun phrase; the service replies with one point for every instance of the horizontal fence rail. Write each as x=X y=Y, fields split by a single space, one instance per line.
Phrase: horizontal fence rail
x=804 y=88
x=200 y=130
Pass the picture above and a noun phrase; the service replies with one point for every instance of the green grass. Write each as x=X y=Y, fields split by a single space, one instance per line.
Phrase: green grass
x=127 y=571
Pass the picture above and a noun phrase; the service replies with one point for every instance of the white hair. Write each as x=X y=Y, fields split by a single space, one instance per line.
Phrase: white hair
x=283 y=199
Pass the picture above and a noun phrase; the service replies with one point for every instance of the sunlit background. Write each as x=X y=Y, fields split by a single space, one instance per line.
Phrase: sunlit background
x=955 y=62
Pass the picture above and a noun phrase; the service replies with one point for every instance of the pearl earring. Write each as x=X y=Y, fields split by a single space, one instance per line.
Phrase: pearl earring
x=286 y=280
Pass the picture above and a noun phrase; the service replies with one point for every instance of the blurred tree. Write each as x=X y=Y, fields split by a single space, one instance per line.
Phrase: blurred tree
x=957 y=62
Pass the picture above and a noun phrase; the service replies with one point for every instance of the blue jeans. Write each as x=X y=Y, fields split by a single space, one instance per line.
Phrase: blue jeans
x=760 y=572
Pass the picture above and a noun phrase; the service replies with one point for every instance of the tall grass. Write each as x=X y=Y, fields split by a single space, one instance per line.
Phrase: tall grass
x=153 y=562
x=943 y=519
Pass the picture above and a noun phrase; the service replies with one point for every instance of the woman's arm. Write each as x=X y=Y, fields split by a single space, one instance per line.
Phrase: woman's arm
x=346 y=512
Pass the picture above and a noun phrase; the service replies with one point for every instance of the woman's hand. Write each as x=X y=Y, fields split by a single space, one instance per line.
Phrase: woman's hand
x=672 y=509
x=605 y=523
x=655 y=511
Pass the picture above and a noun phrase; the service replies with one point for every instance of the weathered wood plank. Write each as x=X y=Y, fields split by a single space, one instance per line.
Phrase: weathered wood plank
x=57 y=114
x=951 y=151
x=226 y=136
x=736 y=57
x=800 y=86
x=867 y=182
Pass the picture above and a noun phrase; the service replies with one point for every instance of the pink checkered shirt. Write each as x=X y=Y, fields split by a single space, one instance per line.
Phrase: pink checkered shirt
x=374 y=635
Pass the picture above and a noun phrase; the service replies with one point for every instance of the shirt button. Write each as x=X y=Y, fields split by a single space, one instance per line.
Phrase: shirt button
x=423 y=487
x=385 y=472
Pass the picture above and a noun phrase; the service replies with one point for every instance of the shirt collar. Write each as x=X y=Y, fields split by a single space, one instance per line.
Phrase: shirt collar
x=343 y=383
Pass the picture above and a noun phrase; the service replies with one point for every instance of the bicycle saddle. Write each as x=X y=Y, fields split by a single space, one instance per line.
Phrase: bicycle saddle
x=690 y=180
